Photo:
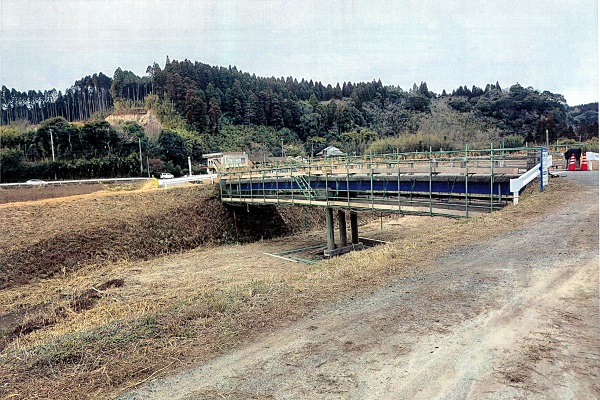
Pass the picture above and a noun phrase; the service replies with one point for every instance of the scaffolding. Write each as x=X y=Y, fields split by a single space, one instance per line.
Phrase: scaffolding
x=447 y=183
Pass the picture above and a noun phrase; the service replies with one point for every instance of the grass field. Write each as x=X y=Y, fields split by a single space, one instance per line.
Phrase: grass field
x=93 y=329
x=16 y=194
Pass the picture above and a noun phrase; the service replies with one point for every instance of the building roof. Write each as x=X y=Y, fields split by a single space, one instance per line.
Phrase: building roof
x=231 y=153
x=330 y=151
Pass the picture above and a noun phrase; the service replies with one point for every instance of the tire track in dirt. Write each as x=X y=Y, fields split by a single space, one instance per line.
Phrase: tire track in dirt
x=516 y=317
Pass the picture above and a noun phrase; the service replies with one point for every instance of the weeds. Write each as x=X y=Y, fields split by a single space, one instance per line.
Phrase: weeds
x=124 y=226
x=148 y=326
x=34 y=193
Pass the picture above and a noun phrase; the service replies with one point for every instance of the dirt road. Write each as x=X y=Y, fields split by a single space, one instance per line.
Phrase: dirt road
x=515 y=317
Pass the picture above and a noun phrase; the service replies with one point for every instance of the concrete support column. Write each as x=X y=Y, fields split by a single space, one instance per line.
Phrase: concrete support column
x=330 y=233
x=342 y=228
x=354 y=226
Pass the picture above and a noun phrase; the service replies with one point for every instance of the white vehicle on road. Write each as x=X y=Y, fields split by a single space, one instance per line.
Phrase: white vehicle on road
x=36 y=182
x=166 y=175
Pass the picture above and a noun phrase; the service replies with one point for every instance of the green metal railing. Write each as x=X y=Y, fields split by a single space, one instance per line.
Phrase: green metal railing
x=304 y=186
x=299 y=174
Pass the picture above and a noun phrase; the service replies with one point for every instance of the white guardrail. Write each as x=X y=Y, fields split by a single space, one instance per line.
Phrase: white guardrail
x=77 y=181
x=160 y=182
x=165 y=183
x=519 y=183
x=591 y=156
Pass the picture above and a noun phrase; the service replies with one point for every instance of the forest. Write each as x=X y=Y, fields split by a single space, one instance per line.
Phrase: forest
x=203 y=108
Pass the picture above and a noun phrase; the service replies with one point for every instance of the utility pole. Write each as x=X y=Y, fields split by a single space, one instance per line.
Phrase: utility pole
x=547 y=142
x=52 y=145
x=190 y=166
x=53 y=159
x=282 y=155
x=141 y=159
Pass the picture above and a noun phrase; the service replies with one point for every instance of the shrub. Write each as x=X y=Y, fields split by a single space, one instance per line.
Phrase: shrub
x=410 y=143
x=512 y=141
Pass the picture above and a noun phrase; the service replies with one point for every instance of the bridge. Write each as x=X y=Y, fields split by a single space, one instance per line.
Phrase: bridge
x=451 y=184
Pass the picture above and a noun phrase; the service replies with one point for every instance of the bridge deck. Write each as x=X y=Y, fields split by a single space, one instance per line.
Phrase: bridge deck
x=434 y=186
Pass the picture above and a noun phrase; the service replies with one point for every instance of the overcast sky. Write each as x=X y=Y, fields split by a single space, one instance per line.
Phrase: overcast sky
x=547 y=44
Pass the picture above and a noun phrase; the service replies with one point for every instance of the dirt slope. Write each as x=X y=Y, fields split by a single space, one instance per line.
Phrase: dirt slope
x=46 y=238
x=512 y=317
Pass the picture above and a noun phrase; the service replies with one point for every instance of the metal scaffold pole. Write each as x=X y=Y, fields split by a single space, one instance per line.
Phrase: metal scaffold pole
x=347 y=183
x=277 y=184
x=372 y=193
x=398 y=187
x=309 y=182
x=262 y=178
x=491 y=177
x=251 y=188
x=326 y=182
x=430 y=184
x=467 y=181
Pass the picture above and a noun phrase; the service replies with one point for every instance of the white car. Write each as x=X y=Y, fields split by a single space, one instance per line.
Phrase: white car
x=36 y=182
x=166 y=175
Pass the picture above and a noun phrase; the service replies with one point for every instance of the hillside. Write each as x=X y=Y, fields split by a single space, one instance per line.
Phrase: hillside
x=186 y=109
x=141 y=116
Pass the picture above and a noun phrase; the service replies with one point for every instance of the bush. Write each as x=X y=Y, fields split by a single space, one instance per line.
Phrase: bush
x=512 y=141
x=410 y=143
x=591 y=145
x=11 y=164
x=461 y=105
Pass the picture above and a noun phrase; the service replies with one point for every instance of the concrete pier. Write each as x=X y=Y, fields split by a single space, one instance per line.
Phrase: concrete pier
x=330 y=230
x=354 y=226
x=342 y=227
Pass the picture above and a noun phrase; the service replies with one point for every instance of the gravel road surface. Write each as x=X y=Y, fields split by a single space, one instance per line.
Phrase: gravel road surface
x=512 y=318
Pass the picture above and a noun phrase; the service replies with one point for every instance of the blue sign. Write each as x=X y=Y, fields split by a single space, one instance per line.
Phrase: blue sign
x=543 y=168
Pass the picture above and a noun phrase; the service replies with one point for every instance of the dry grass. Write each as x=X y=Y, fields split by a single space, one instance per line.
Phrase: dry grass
x=42 y=239
x=180 y=310
x=58 y=236
x=34 y=193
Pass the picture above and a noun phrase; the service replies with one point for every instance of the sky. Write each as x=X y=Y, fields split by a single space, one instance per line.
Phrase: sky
x=546 y=44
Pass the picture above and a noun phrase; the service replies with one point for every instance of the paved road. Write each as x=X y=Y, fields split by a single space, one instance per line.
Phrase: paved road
x=589 y=178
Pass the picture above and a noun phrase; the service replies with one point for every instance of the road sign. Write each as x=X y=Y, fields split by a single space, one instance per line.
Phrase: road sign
x=543 y=168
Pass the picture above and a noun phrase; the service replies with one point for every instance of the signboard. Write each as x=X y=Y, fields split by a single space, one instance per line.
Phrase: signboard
x=543 y=168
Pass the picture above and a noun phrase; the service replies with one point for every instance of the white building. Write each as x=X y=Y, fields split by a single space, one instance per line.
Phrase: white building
x=221 y=161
